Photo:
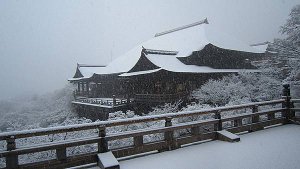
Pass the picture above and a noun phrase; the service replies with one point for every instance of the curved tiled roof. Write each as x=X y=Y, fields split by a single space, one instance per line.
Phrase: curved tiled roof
x=183 y=40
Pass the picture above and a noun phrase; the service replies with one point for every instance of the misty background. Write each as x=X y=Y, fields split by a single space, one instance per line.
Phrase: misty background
x=41 y=41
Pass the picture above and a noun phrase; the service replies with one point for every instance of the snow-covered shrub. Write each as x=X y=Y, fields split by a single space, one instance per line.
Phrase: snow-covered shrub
x=238 y=89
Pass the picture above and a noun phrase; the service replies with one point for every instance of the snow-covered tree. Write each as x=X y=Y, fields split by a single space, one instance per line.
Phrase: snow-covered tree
x=292 y=27
x=238 y=89
x=288 y=48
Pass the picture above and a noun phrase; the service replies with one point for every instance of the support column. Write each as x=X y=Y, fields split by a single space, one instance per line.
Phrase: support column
x=102 y=145
x=255 y=126
x=171 y=144
x=78 y=87
x=114 y=100
x=82 y=87
x=286 y=95
x=87 y=85
x=11 y=160
x=218 y=126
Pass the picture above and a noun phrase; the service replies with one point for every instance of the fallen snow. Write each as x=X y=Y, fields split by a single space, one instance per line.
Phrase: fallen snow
x=275 y=148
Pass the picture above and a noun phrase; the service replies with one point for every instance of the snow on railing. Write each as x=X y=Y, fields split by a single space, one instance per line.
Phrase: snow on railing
x=103 y=101
x=175 y=130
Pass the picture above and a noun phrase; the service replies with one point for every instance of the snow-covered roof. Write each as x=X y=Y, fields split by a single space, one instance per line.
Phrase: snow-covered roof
x=262 y=47
x=140 y=72
x=89 y=71
x=172 y=64
x=184 y=40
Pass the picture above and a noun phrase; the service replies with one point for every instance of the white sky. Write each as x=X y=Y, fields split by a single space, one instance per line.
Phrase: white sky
x=42 y=40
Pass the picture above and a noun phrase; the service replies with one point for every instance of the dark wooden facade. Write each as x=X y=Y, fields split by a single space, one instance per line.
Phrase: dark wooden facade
x=161 y=86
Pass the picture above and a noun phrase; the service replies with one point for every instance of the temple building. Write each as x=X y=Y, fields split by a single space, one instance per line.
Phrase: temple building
x=164 y=69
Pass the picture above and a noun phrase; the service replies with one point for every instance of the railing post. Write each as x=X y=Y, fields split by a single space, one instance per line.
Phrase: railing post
x=255 y=118
x=237 y=123
x=292 y=112
x=11 y=160
x=286 y=95
x=195 y=130
x=255 y=125
x=138 y=141
x=218 y=126
x=128 y=100
x=61 y=154
x=169 y=134
x=102 y=145
x=271 y=116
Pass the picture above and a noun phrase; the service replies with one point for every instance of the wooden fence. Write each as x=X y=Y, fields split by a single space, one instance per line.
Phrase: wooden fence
x=254 y=116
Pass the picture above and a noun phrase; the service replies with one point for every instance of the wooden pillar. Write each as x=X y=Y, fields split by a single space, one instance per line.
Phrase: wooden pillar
x=114 y=100
x=61 y=154
x=87 y=85
x=11 y=160
x=237 y=123
x=128 y=99
x=82 y=87
x=271 y=116
x=78 y=87
x=218 y=126
x=286 y=95
x=195 y=130
x=138 y=141
x=255 y=118
x=169 y=134
x=102 y=145
x=255 y=125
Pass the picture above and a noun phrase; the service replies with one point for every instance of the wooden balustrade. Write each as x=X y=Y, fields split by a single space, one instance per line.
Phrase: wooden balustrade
x=106 y=102
x=198 y=132
x=159 y=97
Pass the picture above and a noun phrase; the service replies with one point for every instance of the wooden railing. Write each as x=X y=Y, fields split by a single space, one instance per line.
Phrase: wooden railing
x=157 y=98
x=106 y=102
x=253 y=117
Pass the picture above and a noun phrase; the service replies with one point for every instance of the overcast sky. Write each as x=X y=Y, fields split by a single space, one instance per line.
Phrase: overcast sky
x=41 y=41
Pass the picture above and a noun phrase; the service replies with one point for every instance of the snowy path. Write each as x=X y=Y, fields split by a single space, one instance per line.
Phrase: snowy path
x=276 y=148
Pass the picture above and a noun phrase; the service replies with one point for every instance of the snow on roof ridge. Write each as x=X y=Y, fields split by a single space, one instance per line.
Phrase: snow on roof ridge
x=88 y=65
x=182 y=27
x=140 y=72
x=261 y=43
x=156 y=51
x=263 y=46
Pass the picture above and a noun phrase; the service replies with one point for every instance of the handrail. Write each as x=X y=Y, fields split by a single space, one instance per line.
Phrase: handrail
x=295 y=100
x=139 y=146
x=96 y=139
x=95 y=125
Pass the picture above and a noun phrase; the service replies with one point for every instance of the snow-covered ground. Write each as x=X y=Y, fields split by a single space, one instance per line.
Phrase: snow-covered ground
x=276 y=148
